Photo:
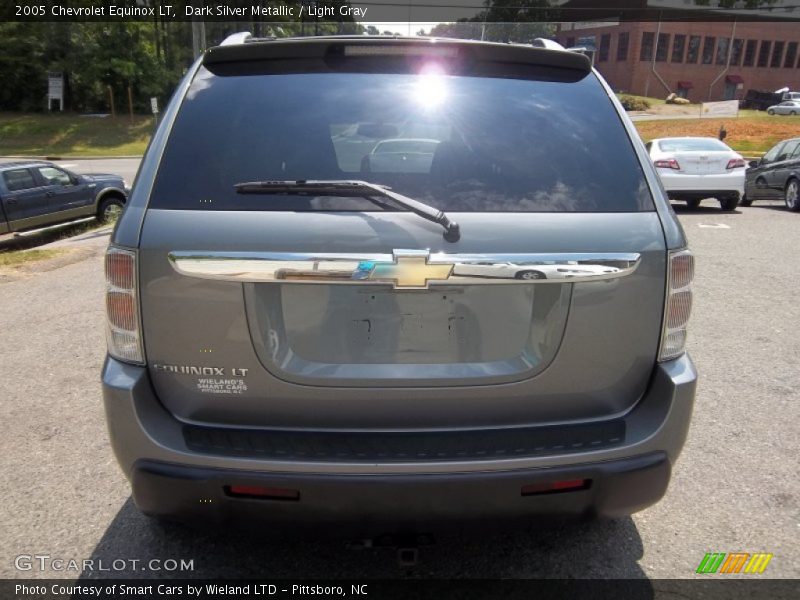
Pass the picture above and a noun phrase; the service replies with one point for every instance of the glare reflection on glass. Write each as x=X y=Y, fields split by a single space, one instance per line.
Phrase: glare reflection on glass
x=430 y=88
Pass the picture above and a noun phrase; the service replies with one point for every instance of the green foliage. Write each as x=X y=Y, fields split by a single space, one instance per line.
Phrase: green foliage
x=633 y=103
x=92 y=56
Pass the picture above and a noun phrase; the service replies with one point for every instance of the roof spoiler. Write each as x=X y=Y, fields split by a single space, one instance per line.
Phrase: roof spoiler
x=244 y=47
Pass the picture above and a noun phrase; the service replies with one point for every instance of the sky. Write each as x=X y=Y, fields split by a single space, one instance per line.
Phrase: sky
x=401 y=27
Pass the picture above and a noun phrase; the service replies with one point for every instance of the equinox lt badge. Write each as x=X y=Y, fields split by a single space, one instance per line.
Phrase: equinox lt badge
x=190 y=370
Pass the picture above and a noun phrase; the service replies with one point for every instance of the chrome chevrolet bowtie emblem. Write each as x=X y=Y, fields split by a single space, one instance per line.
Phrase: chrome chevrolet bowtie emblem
x=408 y=270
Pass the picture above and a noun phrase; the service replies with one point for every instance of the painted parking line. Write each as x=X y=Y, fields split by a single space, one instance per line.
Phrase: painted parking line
x=713 y=226
x=67 y=165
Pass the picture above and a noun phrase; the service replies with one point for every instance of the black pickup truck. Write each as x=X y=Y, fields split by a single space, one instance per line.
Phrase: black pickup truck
x=36 y=194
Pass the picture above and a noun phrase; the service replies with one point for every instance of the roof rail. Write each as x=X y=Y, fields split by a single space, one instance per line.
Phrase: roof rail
x=236 y=38
x=548 y=44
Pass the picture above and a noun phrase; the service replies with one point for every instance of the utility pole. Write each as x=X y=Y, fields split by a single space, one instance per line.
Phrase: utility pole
x=130 y=103
x=111 y=101
x=198 y=38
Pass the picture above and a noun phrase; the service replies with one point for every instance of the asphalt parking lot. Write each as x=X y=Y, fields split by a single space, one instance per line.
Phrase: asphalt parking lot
x=735 y=488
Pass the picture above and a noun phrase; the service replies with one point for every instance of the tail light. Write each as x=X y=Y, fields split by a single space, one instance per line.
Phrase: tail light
x=667 y=164
x=678 y=306
x=123 y=334
x=735 y=163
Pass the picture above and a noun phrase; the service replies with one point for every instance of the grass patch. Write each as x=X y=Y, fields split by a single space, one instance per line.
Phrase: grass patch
x=16 y=258
x=749 y=135
x=73 y=135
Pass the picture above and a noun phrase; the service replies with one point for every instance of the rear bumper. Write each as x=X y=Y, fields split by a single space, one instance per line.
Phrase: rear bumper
x=703 y=184
x=370 y=504
x=169 y=478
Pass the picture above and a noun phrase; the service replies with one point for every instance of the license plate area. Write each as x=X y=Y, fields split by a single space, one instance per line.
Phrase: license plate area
x=410 y=326
x=447 y=334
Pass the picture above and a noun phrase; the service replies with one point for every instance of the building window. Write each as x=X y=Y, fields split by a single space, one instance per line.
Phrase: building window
x=749 y=53
x=694 y=49
x=763 y=53
x=662 y=49
x=678 y=46
x=736 y=52
x=791 y=54
x=646 y=53
x=777 y=54
x=622 y=45
x=722 y=50
x=708 y=50
x=570 y=42
x=605 y=47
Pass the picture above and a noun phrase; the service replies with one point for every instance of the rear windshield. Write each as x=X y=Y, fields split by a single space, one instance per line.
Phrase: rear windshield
x=459 y=143
x=699 y=145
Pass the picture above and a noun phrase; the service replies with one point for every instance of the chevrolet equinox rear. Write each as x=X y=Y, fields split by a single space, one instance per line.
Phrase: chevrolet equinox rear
x=387 y=281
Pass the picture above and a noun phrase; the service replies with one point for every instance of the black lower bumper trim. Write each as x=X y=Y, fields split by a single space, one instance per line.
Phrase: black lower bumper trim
x=617 y=488
x=701 y=194
x=486 y=444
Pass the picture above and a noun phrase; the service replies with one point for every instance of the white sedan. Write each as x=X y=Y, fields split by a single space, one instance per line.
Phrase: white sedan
x=694 y=168
x=509 y=270
x=402 y=156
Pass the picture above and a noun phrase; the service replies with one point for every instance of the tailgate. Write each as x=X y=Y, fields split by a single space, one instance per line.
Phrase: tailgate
x=227 y=342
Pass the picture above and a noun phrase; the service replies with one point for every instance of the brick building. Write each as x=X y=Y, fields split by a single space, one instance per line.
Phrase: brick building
x=697 y=60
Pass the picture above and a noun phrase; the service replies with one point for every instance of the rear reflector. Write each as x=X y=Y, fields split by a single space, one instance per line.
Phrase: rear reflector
x=555 y=487
x=261 y=493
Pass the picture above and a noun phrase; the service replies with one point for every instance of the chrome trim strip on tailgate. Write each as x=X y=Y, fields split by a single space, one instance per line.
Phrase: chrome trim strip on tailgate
x=403 y=269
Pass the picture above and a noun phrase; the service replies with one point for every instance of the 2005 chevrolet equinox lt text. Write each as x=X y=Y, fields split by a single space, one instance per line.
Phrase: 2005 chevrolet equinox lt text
x=393 y=281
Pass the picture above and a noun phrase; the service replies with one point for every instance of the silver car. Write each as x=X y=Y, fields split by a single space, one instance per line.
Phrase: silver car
x=298 y=339
x=790 y=107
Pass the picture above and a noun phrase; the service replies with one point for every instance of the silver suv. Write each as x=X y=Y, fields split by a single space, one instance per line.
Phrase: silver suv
x=381 y=282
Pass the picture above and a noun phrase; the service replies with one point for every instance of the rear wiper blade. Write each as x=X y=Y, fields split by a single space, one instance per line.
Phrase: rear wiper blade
x=352 y=189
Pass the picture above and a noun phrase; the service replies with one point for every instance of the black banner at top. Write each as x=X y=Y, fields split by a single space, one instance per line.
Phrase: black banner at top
x=400 y=11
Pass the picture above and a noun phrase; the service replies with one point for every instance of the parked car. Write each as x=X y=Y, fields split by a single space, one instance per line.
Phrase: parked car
x=295 y=340
x=776 y=176
x=790 y=107
x=510 y=270
x=36 y=194
x=694 y=168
